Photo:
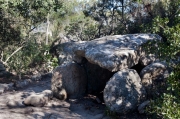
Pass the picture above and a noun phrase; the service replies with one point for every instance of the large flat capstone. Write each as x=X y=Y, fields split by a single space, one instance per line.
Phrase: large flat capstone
x=112 y=52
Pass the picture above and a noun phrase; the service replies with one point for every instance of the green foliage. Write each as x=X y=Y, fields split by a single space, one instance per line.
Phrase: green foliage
x=20 y=47
x=32 y=55
x=83 y=29
x=168 y=105
x=168 y=26
x=21 y=15
x=170 y=34
x=107 y=14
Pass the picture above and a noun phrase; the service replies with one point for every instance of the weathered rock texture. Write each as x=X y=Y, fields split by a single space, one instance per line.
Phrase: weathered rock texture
x=148 y=59
x=157 y=71
x=93 y=63
x=14 y=104
x=70 y=79
x=6 y=87
x=57 y=50
x=123 y=92
x=39 y=99
x=153 y=75
x=112 y=52
x=36 y=100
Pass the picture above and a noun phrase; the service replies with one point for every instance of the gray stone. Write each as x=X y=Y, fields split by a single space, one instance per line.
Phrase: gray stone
x=70 y=79
x=56 y=49
x=148 y=59
x=154 y=71
x=37 y=100
x=48 y=93
x=112 y=52
x=64 y=58
x=154 y=74
x=14 y=104
x=6 y=87
x=61 y=94
x=123 y=92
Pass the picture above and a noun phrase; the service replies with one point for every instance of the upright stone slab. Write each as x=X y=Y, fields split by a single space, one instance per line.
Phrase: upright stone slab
x=154 y=74
x=69 y=81
x=123 y=92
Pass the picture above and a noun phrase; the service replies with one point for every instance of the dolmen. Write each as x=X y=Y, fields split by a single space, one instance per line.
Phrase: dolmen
x=117 y=66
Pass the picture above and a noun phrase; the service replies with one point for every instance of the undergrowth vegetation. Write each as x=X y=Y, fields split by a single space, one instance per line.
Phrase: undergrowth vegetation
x=167 y=105
x=29 y=28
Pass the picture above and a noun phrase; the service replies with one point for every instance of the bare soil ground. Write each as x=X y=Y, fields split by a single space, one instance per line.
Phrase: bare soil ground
x=85 y=108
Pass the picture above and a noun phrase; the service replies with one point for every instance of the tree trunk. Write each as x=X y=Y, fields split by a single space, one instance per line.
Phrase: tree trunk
x=47 y=30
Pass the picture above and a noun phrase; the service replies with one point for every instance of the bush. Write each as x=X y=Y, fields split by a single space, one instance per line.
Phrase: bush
x=32 y=56
x=168 y=104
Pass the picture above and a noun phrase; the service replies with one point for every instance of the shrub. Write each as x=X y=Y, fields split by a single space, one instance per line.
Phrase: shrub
x=168 y=104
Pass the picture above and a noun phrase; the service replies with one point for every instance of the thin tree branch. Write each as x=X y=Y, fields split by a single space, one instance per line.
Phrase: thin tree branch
x=13 y=53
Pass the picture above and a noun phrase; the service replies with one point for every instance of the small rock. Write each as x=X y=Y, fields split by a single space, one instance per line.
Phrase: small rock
x=62 y=94
x=6 y=87
x=142 y=106
x=36 y=100
x=14 y=104
x=48 y=93
x=39 y=99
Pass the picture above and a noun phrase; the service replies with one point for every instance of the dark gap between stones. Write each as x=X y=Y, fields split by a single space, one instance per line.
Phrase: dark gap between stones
x=97 y=78
x=138 y=67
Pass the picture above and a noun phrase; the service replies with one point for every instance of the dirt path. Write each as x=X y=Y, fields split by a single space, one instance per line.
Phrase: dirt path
x=86 y=108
